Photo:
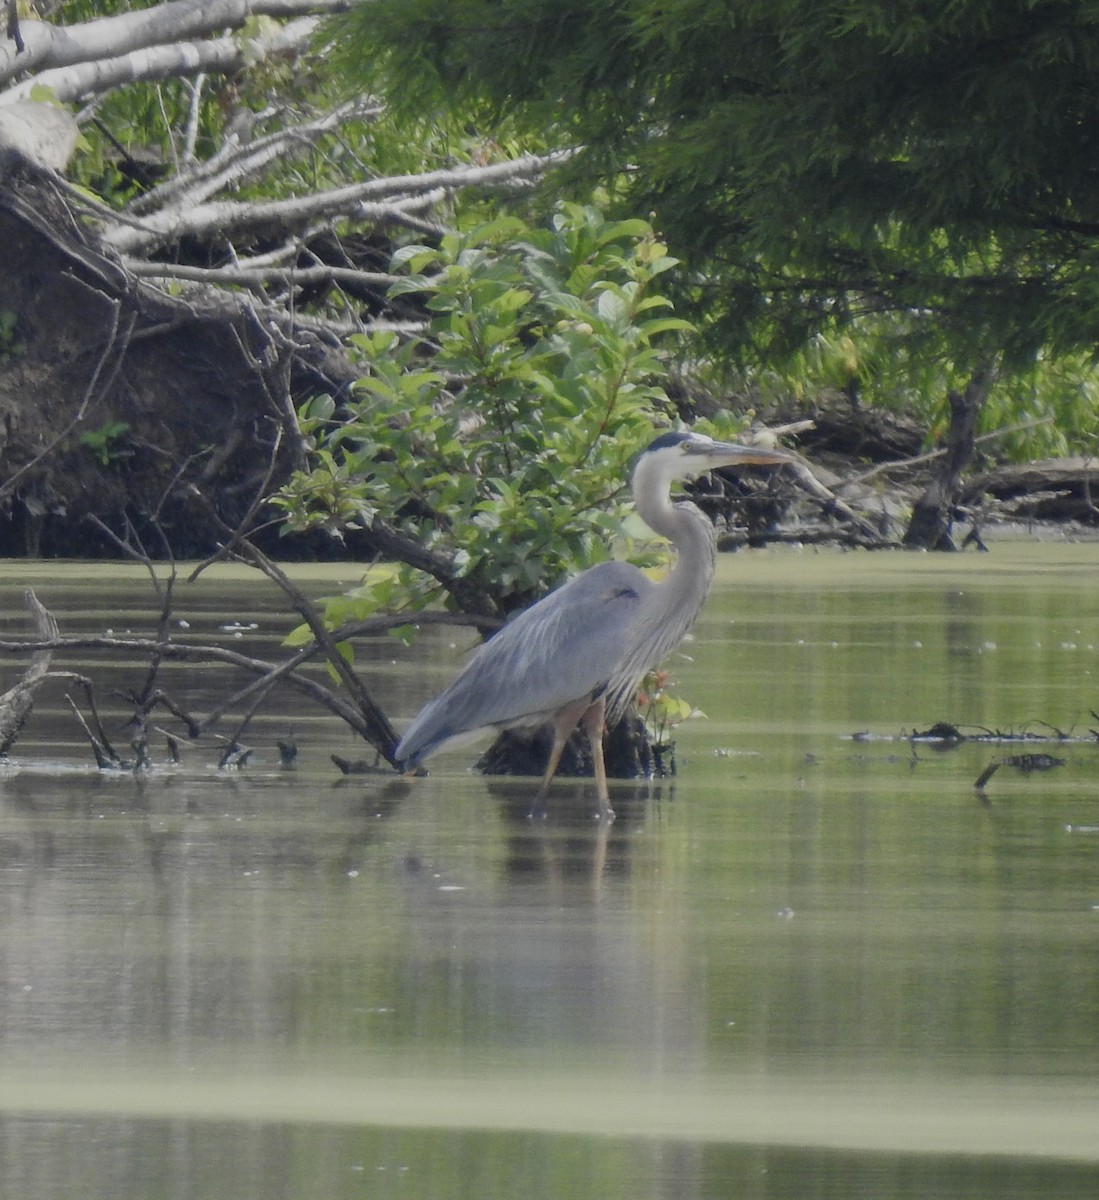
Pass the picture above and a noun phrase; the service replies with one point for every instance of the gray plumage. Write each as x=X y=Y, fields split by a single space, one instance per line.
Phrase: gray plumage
x=579 y=654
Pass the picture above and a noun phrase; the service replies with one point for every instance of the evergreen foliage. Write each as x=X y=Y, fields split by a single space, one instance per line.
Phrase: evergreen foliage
x=815 y=164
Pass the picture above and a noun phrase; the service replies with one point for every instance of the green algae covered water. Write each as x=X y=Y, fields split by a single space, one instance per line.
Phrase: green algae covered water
x=816 y=963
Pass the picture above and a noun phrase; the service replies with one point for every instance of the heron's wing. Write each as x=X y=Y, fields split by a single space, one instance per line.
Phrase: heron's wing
x=563 y=648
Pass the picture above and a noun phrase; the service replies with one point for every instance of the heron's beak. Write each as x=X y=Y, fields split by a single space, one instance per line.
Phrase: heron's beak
x=732 y=454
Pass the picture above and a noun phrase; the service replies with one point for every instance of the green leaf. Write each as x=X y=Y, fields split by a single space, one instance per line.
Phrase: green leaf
x=300 y=635
x=666 y=325
x=346 y=651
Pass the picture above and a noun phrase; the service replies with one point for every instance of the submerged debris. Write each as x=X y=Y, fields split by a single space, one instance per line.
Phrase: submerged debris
x=941 y=731
x=359 y=766
x=945 y=734
x=1022 y=762
x=235 y=755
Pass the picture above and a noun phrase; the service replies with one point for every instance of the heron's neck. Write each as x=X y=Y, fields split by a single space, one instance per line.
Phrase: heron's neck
x=689 y=531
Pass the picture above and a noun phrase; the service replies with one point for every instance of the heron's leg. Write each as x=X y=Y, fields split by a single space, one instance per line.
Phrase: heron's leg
x=594 y=721
x=563 y=724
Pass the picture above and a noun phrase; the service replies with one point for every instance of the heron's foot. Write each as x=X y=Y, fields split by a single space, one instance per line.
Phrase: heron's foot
x=605 y=815
x=537 y=810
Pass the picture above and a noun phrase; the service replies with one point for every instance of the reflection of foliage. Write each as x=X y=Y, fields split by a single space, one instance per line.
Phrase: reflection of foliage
x=495 y=448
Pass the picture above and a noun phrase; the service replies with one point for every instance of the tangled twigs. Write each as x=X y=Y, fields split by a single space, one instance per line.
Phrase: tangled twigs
x=371 y=722
x=105 y=755
x=15 y=704
x=375 y=724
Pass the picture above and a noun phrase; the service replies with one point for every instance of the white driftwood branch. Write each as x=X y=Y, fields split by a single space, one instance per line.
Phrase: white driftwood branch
x=235 y=162
x=17 y=701
x=398 y=191
x=165 y=61
x=345 y=328
x=194 y=110
x=51 y=46
x=42 y=133
x=246 y=275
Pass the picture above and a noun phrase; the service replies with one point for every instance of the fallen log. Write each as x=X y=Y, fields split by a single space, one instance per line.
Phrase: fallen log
x=1052 y=488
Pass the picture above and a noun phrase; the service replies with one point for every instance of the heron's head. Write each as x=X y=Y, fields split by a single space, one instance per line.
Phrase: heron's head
x=688 y=455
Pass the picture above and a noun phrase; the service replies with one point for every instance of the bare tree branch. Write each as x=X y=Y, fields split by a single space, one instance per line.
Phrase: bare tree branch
x=249 y=276
x=906 y=464
x=96 y=75
x=190 y=139
x=229 y=216
x=235 y=162
x=17 y=701
x=47 y=46
x=179 y=652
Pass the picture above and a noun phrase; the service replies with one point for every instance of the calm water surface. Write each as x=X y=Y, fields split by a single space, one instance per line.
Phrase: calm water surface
x=811 y=965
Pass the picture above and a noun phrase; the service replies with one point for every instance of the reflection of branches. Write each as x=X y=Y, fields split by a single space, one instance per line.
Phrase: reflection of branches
x=180 y=652
x=268 y=674
x=370 y=721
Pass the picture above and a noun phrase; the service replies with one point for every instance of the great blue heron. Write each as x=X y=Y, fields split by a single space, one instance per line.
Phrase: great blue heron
x=578 y=655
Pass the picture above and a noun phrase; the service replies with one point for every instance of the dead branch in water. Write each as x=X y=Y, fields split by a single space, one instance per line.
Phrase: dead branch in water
x=16 y=703
x=1026 y=763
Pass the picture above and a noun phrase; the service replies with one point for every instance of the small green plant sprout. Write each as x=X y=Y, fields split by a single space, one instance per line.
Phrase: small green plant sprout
x=660 y=708
x=10 y=346
x=105 y=443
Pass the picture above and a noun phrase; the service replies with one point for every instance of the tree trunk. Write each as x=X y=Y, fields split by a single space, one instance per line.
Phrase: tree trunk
x=933 y=514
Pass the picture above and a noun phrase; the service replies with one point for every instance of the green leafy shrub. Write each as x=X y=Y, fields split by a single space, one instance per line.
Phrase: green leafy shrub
x=493 y=449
